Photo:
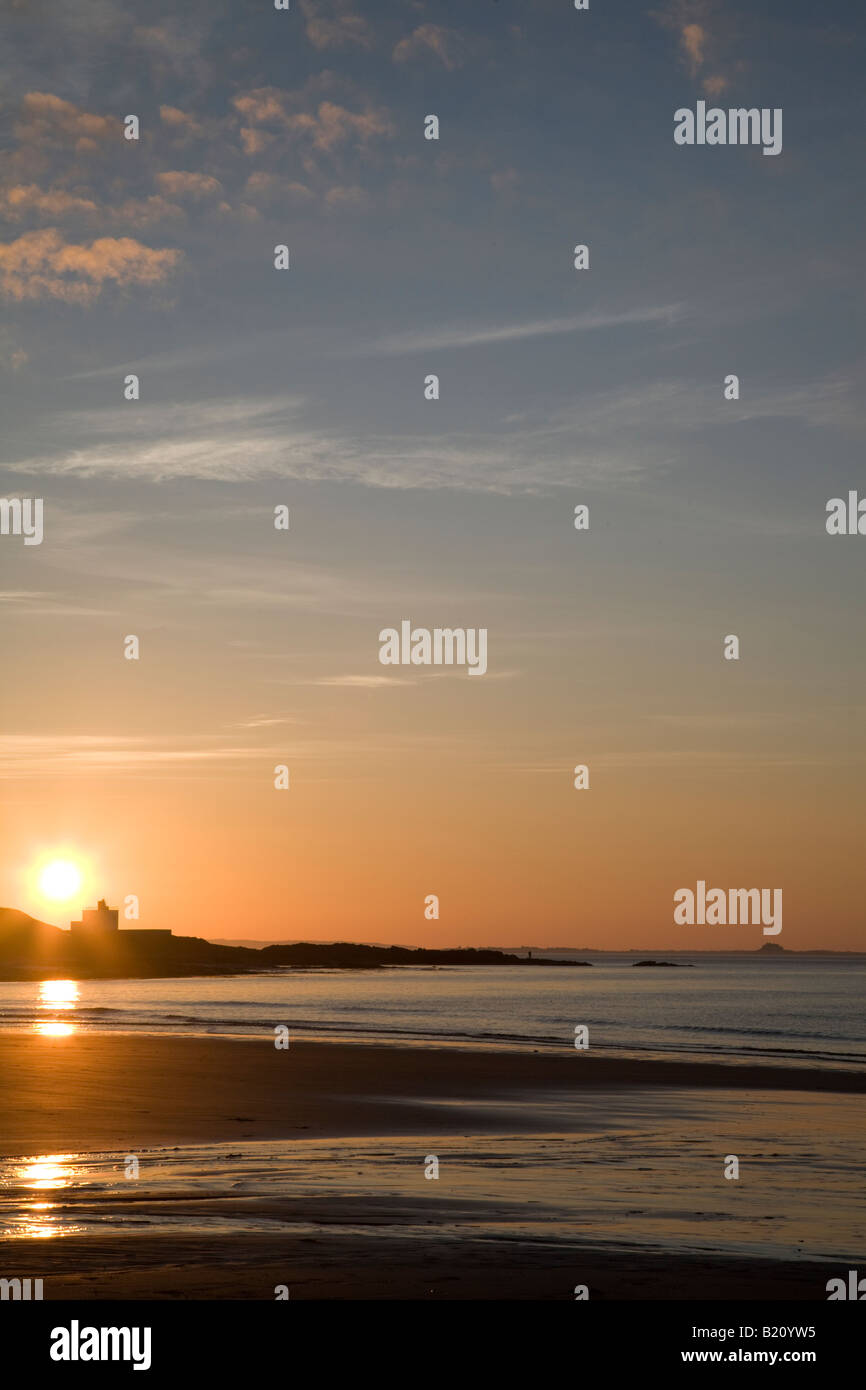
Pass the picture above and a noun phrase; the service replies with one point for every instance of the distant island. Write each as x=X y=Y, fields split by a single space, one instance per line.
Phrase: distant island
x=666 y=964
x=97 y=948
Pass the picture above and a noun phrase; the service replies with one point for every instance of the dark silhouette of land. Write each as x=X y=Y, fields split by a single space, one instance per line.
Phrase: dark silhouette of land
x=30 y=950
x=34 y=950
x=665 y=964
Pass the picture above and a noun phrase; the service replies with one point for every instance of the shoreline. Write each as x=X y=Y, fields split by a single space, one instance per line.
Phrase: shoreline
x=314 y=1034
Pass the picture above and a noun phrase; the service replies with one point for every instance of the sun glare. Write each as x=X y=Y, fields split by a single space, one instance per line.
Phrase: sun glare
x=60 y=880
x=58 y=994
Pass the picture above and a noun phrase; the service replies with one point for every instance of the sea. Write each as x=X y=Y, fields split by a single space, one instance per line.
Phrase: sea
x=784 y=1010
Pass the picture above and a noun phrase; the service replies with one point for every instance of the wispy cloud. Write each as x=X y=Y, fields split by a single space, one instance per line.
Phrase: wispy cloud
x=60 y=755
x=477 y=335
x=12 y=355
x=266 y=721
x=601 y=438
x=362 y=682
x=29 y=604
x=170 y=359
x=447 y=45
x=32 y=755
x=697 y=25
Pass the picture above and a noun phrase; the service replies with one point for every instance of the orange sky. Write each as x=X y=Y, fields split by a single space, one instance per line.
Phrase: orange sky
x=442 y=784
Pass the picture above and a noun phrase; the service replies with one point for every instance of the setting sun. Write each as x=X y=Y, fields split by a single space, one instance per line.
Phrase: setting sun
x=60 y=880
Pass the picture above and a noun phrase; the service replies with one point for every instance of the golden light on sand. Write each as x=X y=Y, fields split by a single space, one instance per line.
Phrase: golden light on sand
x=60 y=880
x=55 y=1030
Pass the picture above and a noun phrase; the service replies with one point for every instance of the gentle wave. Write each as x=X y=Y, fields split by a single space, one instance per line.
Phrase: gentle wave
x=730 y=1010
x=657 y=1048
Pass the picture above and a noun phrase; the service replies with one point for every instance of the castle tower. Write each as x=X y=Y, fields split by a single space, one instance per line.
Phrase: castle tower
x=97 y=920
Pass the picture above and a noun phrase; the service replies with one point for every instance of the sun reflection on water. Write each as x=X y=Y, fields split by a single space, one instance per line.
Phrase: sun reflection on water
x=45 y=1173
x=49 y=1171
x=58 y=997
x=39 y=1232
x=58 y=994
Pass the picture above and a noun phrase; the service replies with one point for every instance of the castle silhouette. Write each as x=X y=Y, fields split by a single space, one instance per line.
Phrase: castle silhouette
x=100 y=922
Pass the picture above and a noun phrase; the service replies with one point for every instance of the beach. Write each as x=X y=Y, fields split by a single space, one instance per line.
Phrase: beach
x=308 y=1168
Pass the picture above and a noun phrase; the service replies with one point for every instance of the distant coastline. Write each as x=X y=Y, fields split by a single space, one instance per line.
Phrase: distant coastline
x=769 y=948
x=34 y=950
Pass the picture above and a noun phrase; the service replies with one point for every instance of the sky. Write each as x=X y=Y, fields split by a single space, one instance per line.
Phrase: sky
x=559 y=387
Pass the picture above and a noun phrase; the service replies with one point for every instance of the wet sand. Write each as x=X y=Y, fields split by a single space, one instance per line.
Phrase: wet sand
x=96 y=1091
x=343 y=1266
x=307 y=1168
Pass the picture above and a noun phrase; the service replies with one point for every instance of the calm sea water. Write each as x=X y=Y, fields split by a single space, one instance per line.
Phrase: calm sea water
x=733 y=1008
